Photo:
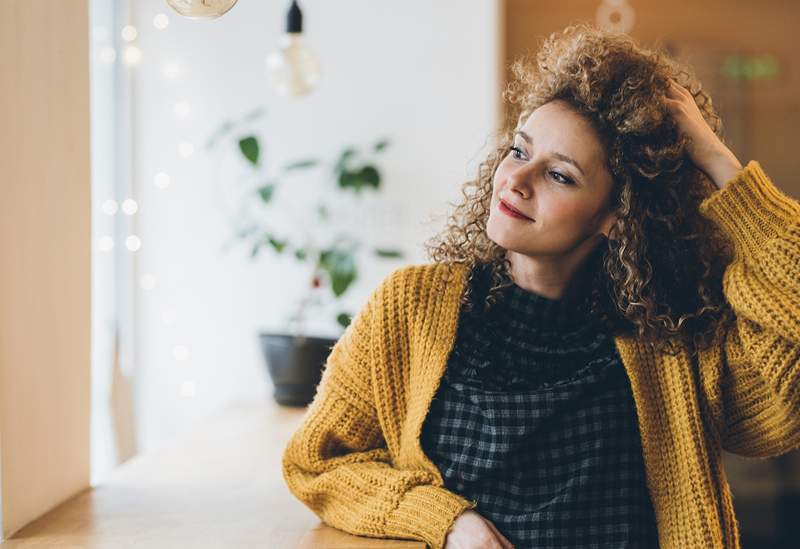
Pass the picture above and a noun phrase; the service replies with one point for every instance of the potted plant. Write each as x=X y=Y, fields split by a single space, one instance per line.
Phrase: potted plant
x=295 y=359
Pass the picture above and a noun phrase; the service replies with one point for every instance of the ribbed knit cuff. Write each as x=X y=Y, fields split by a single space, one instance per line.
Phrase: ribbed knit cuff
x=427 y=512
x=750 y=209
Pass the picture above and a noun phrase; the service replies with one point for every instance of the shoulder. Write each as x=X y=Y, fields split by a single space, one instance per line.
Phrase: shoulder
x=422 y=277
x=412 y=286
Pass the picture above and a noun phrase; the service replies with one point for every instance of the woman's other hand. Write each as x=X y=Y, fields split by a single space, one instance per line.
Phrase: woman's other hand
x=706 y=150
x=471 y=531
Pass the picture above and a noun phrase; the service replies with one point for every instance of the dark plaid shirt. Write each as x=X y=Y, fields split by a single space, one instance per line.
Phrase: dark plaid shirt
x=534 y=418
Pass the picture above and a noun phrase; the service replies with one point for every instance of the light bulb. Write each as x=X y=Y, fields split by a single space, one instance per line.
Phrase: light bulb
x=294 y=69
x=201 y=9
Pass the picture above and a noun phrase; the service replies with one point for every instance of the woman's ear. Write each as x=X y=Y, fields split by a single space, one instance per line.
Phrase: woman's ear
x=608 y=223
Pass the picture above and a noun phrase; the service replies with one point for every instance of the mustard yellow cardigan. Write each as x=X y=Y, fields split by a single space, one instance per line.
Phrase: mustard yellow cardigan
x=356 y=460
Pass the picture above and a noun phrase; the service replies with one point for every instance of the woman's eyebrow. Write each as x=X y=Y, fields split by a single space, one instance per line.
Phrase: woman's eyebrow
x=558 y=155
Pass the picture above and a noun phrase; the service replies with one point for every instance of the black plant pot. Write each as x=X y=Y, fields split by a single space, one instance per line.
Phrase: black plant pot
x=295 y=365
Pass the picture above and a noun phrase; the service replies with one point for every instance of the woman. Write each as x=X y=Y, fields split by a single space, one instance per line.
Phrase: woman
x=615 y=302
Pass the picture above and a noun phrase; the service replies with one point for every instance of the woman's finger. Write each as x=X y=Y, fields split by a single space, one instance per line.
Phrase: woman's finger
x=671 y=90
x=674 y=107
x=678 y=89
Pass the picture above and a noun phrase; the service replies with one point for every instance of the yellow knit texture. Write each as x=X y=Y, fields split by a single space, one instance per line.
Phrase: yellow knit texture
x=356 y=460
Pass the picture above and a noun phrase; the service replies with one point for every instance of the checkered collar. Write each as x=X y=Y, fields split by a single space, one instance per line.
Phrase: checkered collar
x=522 y=306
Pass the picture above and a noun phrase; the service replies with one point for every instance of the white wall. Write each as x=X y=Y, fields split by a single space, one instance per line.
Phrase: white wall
x=424 y=74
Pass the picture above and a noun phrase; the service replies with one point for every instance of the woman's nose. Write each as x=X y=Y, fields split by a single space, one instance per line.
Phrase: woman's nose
x=520 y=180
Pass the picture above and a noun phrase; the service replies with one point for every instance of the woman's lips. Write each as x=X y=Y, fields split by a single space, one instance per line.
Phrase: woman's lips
x=512 y=213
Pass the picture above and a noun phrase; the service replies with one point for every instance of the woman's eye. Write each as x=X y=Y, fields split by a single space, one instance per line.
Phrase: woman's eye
x=564 y=178
x=517 y=153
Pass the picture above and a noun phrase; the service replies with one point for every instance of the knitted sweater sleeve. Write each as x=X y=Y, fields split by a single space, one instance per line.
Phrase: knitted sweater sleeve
x=752 y=378
x=338 y=464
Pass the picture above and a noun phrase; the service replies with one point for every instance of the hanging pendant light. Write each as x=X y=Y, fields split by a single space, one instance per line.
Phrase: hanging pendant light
x=294 y=69
x=201 y=9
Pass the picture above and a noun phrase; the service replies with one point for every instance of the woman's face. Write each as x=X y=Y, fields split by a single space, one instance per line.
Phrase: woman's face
x=556 y=176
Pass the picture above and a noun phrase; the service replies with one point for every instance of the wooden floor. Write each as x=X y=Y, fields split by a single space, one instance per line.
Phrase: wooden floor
x=219 y=488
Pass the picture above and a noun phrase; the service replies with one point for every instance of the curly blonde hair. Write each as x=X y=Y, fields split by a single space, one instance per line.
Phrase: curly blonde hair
x=659 y=274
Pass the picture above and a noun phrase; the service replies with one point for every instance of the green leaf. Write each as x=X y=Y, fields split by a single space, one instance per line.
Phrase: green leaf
x=279 y=245
x=341 y=281
x=324 y=259
x=256 y=248
x=300 y=254
x=381 y=145
x=367 y=176
x=323 y=212
x=341 y=268
x=344 y=319
x=370 y=176
x=382 y=252
x=348 y=179
x=301 y=164
x=250 y=148
x=266 y=192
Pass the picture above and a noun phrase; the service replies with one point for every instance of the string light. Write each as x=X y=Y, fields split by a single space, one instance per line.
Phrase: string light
x=110 y=207
x=133 y=243
x=161 y=180
x=129 y=206
x=129 y=33
x=161 y=21
x=133 y=55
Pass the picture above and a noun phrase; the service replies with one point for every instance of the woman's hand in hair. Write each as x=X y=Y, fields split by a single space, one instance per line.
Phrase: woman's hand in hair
x=706 y=150
x=471 y=531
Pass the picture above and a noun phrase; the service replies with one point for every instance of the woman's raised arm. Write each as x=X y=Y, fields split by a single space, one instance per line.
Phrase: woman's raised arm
x=752 y=379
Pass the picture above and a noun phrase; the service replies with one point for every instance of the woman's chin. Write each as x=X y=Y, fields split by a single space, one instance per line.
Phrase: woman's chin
x=505 y=236
x=510 y=243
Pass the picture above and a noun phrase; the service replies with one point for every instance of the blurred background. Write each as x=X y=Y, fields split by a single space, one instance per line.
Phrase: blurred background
x=190 y=132
x=249 y=181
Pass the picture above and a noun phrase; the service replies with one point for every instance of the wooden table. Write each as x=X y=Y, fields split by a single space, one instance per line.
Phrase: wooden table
x=221 y=487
